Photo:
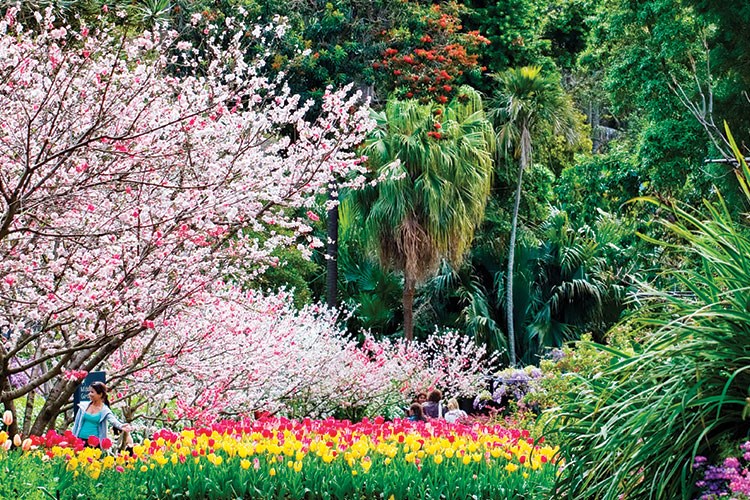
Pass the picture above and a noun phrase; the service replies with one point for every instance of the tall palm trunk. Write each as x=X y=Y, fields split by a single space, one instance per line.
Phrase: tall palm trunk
x=525 y=157
x=410 y=285
x=332 y=251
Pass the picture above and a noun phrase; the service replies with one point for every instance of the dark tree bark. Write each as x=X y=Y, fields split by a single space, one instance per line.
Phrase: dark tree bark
x=10 y=405
x=410 y=285
x=332 y=251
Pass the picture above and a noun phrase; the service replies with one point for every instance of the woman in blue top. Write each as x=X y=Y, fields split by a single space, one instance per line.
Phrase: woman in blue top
x=93 y=416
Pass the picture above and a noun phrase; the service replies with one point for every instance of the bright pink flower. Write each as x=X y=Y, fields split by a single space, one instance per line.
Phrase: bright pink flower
x=312 y=216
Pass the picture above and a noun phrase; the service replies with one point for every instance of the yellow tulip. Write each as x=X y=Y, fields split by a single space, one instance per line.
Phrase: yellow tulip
x=245 y=464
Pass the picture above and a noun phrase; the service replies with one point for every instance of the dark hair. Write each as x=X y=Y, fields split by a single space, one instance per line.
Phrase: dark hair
x=435 y=396
x=416 y=411
x=101 y=389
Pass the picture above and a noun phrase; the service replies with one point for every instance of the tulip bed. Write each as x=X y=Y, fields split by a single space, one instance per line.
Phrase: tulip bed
x=280 y=458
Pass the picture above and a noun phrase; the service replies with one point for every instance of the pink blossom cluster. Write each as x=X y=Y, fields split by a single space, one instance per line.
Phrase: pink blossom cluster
x=129 y=195
x=75 y=375
x=244 y=351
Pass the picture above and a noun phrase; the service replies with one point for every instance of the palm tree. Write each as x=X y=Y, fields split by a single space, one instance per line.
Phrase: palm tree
x=436 y=167
x=372 y=293
x=576 y=287
x=526 y=104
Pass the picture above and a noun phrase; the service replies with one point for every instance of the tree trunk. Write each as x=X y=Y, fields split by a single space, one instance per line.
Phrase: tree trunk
x=525 y=157
x=51 y=408
x=332 y=251
x=410 y=285
x=509 y=275
x=10 y=405
x=28 y=412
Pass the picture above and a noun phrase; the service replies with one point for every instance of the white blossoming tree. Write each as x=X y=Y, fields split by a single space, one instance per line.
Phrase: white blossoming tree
x=244 y=351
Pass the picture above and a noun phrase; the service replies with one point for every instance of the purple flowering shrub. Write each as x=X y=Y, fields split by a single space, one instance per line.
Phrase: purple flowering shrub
x=509 y=388
x=513 y=384
x=533 y=389
x=730 y=480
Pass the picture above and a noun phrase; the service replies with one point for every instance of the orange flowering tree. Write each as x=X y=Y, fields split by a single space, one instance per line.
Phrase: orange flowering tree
x=431 y=56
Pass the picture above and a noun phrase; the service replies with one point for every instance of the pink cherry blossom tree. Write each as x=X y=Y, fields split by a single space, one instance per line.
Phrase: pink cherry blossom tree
x=241 y=351
x=129 y=195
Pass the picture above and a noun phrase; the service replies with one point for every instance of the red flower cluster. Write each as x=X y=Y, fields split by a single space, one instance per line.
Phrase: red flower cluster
x=67 y=439
x=429 y=67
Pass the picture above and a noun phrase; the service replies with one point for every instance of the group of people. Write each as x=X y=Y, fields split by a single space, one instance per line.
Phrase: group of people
x=430 y=407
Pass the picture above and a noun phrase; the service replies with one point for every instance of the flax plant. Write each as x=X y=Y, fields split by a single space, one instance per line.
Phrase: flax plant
x=633 y=431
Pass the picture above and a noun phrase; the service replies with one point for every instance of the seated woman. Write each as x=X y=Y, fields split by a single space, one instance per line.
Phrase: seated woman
x=433 y=408
x=454 y=413
x=93 y=415
x=416 y=414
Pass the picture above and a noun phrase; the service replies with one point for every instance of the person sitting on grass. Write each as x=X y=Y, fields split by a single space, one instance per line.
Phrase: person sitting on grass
x=93 y=416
